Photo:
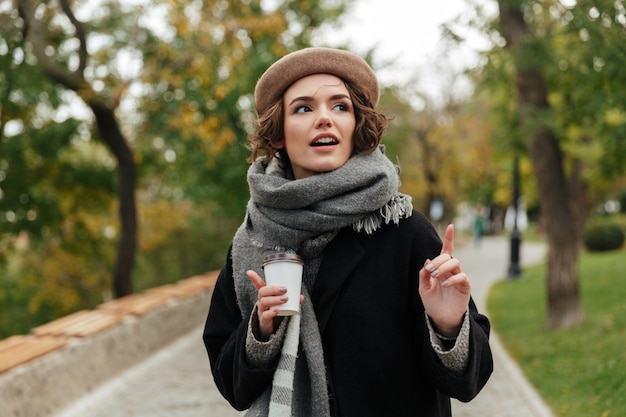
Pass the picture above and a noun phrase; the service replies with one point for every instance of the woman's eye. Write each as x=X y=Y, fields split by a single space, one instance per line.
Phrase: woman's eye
x=302 y=109
x=341 y=107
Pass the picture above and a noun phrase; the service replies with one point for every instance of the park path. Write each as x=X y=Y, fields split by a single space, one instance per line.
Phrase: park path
x=508 y=393
x=177 y=382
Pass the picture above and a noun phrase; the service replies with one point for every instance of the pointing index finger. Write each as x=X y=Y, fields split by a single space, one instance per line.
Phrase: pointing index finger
x=448 y=240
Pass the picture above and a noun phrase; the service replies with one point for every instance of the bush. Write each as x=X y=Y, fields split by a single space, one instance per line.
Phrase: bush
x=603 y=235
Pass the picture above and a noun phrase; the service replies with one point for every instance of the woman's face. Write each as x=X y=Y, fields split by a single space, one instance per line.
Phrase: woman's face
x=319 y=125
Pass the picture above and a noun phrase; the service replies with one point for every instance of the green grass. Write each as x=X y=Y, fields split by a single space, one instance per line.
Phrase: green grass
x=580 y=371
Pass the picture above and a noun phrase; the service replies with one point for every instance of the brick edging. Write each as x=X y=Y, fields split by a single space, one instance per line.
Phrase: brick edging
x=66 y=358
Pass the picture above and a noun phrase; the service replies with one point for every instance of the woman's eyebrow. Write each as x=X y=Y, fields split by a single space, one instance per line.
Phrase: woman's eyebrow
x=310 y=98
x=301 y=98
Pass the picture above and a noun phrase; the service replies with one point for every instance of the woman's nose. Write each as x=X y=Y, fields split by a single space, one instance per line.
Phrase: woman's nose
x=324 y=119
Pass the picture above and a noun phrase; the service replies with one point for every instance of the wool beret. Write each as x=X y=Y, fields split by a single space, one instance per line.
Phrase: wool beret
x=308 y=61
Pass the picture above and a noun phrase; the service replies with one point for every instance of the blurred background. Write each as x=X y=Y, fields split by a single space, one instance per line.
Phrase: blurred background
x=123 y=131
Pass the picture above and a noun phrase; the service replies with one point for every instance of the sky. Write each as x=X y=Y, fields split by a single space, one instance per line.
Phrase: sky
x=407 y=33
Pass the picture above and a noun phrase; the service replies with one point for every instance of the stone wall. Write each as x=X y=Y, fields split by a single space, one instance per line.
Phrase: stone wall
x=61 y=361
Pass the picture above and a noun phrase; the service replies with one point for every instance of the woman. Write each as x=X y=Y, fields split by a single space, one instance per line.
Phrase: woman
x=387 y=326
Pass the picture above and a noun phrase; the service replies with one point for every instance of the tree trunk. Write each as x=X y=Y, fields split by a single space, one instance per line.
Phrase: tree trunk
x=562 y=231
x=563 y=227
x=108 y=127
x=127 y=246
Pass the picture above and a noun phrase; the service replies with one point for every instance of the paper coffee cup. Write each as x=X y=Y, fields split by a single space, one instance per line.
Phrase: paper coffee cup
x=285 y=269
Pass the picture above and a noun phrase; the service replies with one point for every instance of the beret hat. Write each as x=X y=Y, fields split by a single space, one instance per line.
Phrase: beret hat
x=308 y=61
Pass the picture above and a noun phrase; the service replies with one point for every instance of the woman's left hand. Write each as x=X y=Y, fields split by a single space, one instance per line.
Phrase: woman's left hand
x=445 y=289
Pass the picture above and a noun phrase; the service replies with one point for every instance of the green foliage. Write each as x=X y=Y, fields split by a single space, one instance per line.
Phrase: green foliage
x=14 y=316
x=578 y=371
x=196 y=244
x=603 y=233
x=187 y=123
x=50 y=278
x=588 y=48
x=578 y=50
x=56 y=192
x=199 y=91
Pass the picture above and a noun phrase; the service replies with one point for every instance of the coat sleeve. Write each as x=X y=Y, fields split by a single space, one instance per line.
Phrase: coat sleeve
x=224 y=337
x=466 y=385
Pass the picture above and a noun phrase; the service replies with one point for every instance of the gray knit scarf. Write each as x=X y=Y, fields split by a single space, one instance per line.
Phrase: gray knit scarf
x=303 y=216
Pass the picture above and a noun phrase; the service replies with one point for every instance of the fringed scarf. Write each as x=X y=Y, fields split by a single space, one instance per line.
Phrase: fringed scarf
x=303 y=216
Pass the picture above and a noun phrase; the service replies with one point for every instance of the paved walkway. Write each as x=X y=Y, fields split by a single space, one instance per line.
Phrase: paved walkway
x=508 y=393
x=177 y=382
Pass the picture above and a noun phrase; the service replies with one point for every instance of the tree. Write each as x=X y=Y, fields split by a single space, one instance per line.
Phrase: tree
x=200 y=77
x=23 y=93
x=569 y=95
x=172 y=80
x=441 y=146
x=46 y=30
x=200 y=80
x=197 y=70
x=559 y=208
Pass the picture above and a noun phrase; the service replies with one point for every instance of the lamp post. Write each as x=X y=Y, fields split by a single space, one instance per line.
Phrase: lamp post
x=514 y=268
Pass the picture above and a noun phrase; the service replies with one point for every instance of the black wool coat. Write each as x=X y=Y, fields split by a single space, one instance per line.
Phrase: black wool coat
x=379 y=358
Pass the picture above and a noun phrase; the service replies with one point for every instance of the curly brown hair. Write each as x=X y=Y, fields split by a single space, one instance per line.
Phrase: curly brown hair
x=368 y=132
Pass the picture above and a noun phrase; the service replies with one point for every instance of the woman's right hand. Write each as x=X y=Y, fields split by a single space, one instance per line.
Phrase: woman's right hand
x=268 y=297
